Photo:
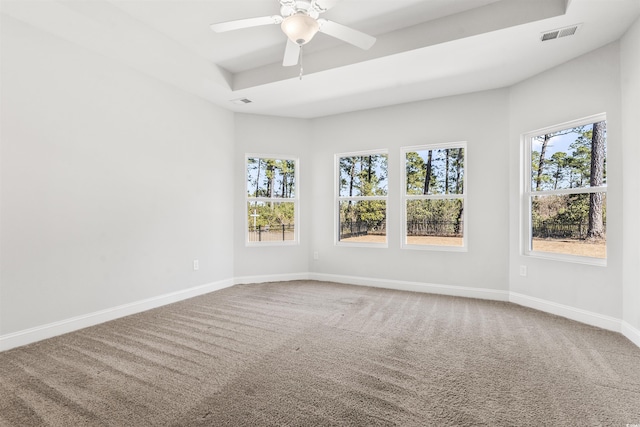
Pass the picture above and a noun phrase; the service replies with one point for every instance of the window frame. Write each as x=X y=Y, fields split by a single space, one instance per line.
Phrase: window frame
x=404 y=197
x=527 y=194
x=338 y=199
x=295 y=200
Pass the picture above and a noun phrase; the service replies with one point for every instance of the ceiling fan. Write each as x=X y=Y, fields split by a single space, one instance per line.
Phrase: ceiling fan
x=299 y=20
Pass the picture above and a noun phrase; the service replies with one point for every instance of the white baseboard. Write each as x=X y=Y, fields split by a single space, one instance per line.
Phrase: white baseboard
x=270 y=278
x=50 y=330
x=632 y=333
x=577 y=314
x=458 y=291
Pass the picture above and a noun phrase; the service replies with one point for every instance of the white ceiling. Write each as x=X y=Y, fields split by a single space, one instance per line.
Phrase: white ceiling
x=425 y=48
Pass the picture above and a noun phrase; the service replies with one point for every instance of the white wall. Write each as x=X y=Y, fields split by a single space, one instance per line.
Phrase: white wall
x=107 y=195
x=630 y=88
x=112 y=183
x=271 y=136
x=587 y=85
x=479 y=119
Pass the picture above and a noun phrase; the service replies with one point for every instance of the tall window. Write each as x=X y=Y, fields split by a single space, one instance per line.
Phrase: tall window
x=434 y=200
x=566 y=191
x=362 y=198
x=272 y=200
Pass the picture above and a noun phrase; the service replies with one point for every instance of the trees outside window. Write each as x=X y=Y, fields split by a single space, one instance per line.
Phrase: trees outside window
x=362 y=198
x=271 y=200
x=434 y=197
x=566 y=190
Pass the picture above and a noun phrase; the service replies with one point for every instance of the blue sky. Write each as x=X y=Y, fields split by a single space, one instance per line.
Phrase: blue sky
x=556 y=144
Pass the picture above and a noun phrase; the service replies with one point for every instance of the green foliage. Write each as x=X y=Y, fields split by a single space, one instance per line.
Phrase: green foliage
x=414 y=173
x=562 y=209
x=270 y=214
x=434 y=210
x=369 y=212
x=440 y=216
x=580 y=162
x=575 y=210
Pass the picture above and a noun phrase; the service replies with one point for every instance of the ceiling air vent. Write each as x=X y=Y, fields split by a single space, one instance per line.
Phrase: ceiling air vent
x=241 y=101
x=560 y=32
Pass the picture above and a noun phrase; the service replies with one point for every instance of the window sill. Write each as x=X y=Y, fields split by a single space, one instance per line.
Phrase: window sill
x=362 y=245
x=598 y=262
x=436 y=248
x=270 y=244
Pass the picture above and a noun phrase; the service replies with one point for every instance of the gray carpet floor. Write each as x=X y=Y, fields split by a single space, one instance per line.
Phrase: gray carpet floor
x=319 y=354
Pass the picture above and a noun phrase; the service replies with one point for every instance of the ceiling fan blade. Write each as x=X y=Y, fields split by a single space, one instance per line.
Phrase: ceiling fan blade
x=291 y=54
x=246 y=23
x=346 y=34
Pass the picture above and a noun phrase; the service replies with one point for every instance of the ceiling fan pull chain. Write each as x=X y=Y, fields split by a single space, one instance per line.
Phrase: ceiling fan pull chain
x=300 y=60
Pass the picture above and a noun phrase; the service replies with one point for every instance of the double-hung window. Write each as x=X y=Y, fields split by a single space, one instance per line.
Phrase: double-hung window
x=271 y=200
x=565 y=191
x=434 y=197
x=362 y=188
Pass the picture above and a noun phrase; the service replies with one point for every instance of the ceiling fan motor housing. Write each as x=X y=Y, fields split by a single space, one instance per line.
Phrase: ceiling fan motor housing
x=292 y=7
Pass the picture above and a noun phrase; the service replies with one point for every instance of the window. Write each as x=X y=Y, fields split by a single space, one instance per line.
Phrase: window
x=362 y=198
x=565 y=191
x=272 y=200
x=433 y=197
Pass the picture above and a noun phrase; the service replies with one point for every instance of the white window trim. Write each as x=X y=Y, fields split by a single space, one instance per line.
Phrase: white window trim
x=295 y=200
x=405 y=197
x=337 y=199
x=526 y=193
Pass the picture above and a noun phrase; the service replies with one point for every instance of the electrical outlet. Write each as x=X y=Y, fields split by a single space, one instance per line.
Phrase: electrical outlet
x=196 y=264
x=523 y=270
x=316 y=255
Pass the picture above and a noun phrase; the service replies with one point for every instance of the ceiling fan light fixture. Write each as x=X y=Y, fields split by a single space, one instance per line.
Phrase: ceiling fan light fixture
x=300 y=28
